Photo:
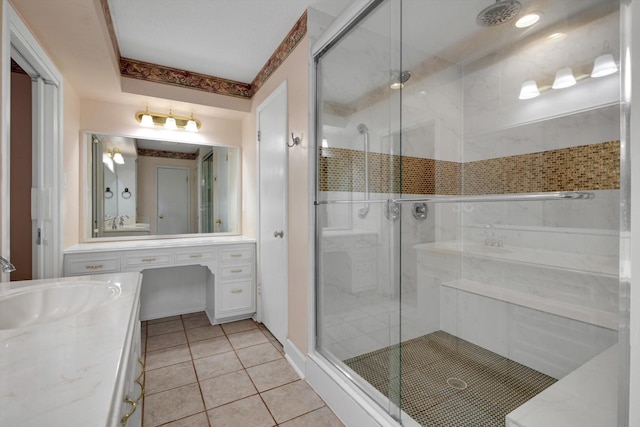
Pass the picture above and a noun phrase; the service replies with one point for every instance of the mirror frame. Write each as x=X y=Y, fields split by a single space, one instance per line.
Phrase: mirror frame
x=86 y=192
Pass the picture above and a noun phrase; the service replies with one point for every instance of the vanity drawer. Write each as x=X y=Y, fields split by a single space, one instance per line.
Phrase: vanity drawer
x=237 y=270
x=235 y=298
x=237 y=254
x=82 y=266
x=145 y=260
x=192 y=256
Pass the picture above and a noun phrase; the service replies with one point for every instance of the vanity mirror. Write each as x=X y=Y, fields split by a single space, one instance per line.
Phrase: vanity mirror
x=141 y=188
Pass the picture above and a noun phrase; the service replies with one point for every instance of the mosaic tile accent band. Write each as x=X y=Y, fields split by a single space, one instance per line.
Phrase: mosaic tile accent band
x=167 y=154
x=587 y=167
x=582 y=168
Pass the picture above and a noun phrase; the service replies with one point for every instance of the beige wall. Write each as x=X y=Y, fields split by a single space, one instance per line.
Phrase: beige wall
x=295 y=71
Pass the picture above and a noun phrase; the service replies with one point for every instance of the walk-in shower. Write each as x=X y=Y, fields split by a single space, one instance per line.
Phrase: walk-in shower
x=466 y=239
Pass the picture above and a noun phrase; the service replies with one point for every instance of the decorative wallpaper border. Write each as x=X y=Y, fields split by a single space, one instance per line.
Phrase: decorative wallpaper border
x=582 y=168
x=108 y=19
x=167 y=154
x=287 y=46
x=156 y=73
x=172 y=76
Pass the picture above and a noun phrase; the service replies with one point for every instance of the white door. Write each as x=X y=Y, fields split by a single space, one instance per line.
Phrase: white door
x=273 y=238
x=173 y=200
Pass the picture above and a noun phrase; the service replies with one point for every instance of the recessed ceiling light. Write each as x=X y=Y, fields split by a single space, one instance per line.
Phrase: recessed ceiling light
x=528 y=20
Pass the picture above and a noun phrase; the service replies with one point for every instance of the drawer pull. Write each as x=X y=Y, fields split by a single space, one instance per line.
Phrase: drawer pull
x=93 y=266
x=195 y=256
x=148 y=259
x=236 y=291
x=236 y=255
x=134 y=402
x=236 y=270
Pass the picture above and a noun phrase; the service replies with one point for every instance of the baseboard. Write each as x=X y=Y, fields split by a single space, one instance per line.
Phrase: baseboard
x=295 y=357
x=349 y=403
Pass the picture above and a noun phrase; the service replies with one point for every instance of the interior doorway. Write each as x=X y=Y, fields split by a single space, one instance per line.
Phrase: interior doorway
x=44 y=189
x=22 y=242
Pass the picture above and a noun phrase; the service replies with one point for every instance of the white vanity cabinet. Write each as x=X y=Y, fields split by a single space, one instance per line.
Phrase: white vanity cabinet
x=235 y=291
x=228 y=293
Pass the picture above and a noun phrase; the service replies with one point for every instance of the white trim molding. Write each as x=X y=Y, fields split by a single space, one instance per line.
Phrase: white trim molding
x=18 y=41
x=295 y=357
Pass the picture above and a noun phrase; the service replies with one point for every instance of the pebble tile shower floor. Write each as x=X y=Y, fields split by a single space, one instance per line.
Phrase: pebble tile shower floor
x=231 y=375
x=449 y=382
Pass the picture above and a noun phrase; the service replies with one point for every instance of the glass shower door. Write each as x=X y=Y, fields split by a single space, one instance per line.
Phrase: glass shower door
x=357 y=283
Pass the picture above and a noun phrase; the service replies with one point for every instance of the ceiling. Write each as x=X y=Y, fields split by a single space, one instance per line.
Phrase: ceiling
x=232 y=39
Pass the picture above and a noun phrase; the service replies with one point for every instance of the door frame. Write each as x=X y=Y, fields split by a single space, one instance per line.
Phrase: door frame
x=259 y=309
x=47 y=105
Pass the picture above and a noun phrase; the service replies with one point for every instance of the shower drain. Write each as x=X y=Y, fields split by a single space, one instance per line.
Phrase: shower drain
x=457 y=383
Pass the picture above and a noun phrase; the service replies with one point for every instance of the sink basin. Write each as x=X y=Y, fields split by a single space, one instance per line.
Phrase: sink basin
x=48 y=303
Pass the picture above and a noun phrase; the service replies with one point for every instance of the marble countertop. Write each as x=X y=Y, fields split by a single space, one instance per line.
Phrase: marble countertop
x=66 y=372
x=587 y=397
x=156 y=243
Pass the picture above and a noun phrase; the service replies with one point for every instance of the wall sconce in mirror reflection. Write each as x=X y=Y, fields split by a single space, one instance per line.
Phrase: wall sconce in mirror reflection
x=603 y=65
x=168 y=121
x=112 y=156
x=295 y=140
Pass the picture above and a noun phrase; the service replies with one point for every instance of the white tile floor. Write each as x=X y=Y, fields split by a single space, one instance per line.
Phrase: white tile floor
x=231 y=375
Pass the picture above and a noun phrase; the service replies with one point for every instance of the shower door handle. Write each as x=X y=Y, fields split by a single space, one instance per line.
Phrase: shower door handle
x=279 y=234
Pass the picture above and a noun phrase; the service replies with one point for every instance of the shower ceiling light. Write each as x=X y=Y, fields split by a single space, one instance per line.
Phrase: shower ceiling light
x=564 y=78
x=604 y=65
x=528 y=20
x=529 y=90
x=160 y=119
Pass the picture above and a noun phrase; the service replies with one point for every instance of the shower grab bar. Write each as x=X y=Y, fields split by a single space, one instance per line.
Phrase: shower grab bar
x=364 y=131
x=519 y=197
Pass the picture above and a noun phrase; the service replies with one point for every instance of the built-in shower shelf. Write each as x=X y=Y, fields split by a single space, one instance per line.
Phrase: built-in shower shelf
x=537 y=302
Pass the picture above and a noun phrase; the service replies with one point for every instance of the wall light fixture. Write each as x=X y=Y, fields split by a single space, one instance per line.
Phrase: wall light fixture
x=116 y=155
x=168 y=121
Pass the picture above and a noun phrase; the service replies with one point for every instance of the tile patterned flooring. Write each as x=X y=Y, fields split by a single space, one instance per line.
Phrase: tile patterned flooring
x=234 y=374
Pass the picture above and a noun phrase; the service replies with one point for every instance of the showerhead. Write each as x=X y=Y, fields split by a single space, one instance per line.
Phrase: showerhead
x=362 y=129
x=498 y=13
